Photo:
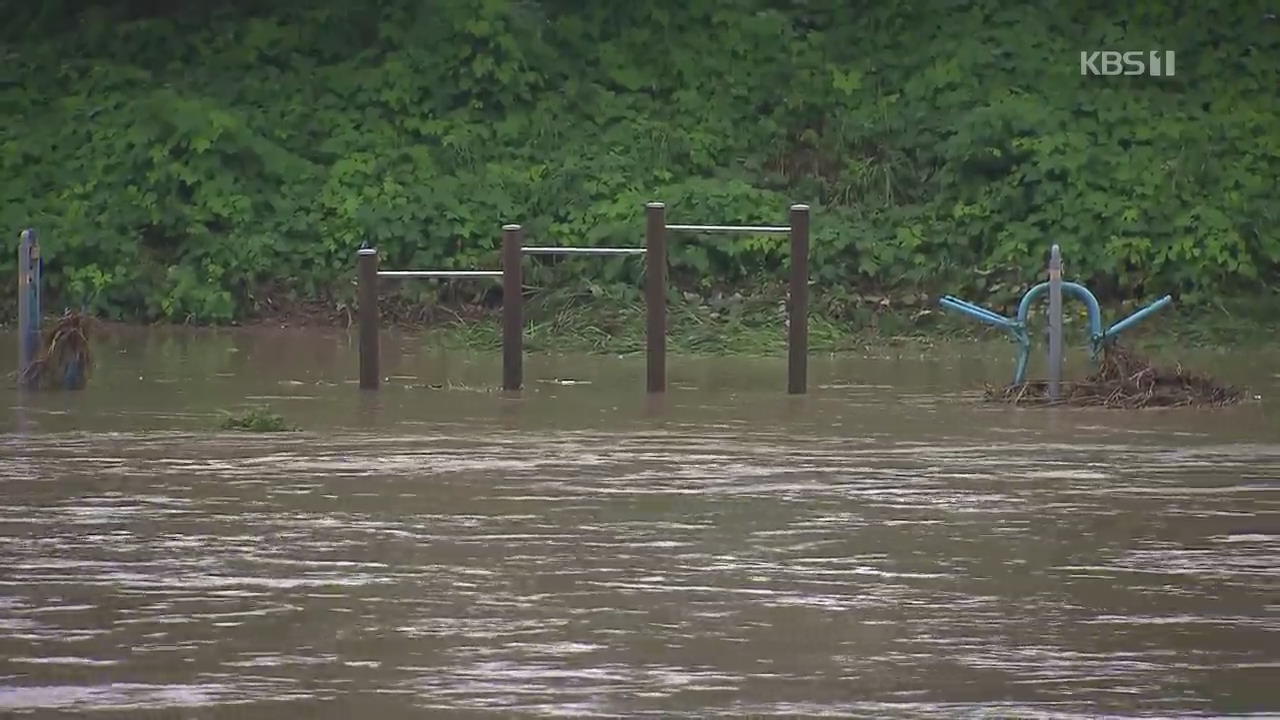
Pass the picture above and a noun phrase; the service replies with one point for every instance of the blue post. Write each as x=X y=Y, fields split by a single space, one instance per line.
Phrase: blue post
x=73 y=377
x=28 y=302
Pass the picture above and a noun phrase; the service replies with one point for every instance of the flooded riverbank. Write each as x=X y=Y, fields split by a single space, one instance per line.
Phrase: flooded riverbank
x=886 y=546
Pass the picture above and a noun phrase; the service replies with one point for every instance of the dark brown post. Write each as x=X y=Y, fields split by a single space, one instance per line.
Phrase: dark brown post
x=798 y=332
x=655 y=263
x=512 y=308
x=369 y=321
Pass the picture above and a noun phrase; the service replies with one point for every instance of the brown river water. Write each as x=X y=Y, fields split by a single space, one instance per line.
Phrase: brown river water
x=885 y=546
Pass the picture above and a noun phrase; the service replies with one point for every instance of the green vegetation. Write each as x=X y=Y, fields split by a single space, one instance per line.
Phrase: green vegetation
x=208 y=164
x=611 y=320
x=258 y=419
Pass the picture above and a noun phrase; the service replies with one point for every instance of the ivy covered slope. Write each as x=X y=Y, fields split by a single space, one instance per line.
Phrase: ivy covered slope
x=187 y=164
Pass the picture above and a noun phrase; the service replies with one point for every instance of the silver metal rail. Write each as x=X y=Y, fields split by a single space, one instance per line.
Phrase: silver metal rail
x=440 y=273
x=745 y=229
x=568 y=250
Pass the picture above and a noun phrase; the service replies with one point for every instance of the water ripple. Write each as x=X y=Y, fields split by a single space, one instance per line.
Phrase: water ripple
x=667 y=573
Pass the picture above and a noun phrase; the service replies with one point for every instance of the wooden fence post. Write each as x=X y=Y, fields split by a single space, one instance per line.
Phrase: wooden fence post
x=655 y=258
x=512 y=308
x=798 y=319
x=370 y=373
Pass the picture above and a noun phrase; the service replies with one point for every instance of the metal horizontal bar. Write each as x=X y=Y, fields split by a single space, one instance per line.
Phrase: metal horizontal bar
x=440 y=273
x=732 y=228
x=563 y=250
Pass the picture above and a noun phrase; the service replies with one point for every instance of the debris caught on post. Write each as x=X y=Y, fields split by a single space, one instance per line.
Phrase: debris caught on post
x=65 y=360
x=1124 y=380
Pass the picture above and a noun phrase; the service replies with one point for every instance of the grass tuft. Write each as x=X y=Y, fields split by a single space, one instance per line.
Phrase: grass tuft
x=258 y=419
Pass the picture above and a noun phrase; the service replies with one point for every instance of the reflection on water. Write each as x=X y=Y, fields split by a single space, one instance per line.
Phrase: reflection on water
x=883 y=547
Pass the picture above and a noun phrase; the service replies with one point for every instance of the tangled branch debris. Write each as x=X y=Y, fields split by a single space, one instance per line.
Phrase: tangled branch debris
x=1124 y=380
x=65 y=360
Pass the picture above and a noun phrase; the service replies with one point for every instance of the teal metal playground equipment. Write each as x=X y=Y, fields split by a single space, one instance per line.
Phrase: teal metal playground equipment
x=1017 y=326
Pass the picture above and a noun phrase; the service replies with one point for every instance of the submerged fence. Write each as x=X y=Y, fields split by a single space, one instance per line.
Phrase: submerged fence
x=657 y=231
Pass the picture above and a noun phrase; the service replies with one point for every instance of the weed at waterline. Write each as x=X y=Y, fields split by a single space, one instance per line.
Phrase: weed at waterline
x=258 y=419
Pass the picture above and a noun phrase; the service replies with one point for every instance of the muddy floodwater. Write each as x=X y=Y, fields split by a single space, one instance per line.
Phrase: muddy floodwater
x=883 y=547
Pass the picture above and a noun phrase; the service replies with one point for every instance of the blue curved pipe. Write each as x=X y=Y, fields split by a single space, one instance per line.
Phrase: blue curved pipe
x=952 y=299
x=1018 y=326
x=1141 y=314
x=1024 y=355
x=1015 y=328
x=1095 y=321
x=976 y=312
x=1080 y=291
